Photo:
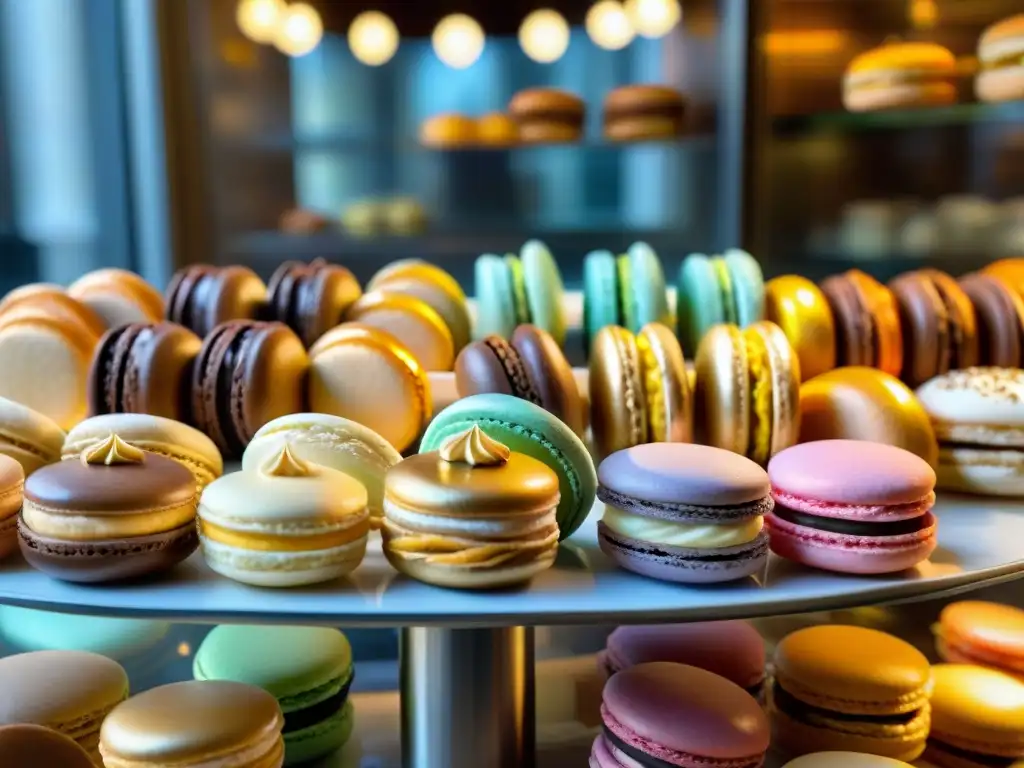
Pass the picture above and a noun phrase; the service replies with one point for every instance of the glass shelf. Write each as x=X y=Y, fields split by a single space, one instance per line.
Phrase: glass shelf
x=1010 y=113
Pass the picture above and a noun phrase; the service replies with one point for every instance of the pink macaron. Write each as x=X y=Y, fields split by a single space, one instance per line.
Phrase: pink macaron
x=664 y=714
x=852 y=506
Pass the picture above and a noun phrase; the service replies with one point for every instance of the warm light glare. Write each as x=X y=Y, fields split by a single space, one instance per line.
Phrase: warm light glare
x=923 y=14
x=653 y=18
x=609 y=26
x=258 y=19
x=184 y=649
x=373 y=38
x=300 y=30
x=458 y=40
x=544 y=35
x=807 y=42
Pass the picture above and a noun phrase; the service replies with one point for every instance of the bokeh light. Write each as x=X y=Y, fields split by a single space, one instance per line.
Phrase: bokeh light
x=653 y=18
x=258 y=19
x=609 y=26
x=299 y=31
x=458 y=40
x=544 y=36
x=373 y=38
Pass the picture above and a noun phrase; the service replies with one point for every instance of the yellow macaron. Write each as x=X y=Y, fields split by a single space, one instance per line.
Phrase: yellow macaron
x=801 y=310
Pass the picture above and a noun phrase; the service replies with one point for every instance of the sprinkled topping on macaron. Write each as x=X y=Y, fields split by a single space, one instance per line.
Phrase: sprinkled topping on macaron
x=113 y=451
x=474 y=447
x=284 y=463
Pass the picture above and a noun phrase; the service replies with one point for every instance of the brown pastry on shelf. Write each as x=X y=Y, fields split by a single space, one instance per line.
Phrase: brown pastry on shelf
x=644 y=113
x=448 y=131
x=496 y=129
x=548 y=115
x=302 y=221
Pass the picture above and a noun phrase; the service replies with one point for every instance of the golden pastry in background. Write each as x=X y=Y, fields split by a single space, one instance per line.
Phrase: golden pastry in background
x=859 y=403
x=900 y=75
x=1001 y=53
x=404 y=216
x=448 y=131
x=801 y=310
x=364 y=218
x=496 y=129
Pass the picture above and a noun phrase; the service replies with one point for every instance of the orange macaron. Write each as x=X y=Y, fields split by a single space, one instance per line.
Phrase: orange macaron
x=900 y=75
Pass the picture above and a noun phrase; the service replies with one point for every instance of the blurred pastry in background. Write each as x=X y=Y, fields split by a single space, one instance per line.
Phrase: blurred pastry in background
x=1010 y=240
x=363 y=218
x=302 y=221
x=867 y=229
x=967 y=224
x=496 y=129
x=448 y=131
x=1001 y=52
x=548 y=115
x=919 y=234
x=899 y=75
x=644 y=112
x=404 y=216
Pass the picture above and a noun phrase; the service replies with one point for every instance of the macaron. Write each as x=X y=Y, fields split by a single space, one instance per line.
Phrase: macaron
x=858 y=403
x=639 y=389
x=144 y=368
x=800 y=309
x=1001 y=54
x=27 y=290
x=307 y=669
x=311 y=298
x=448 y=131
x=303 y=221
x=496 y=129
x=731 y=649
x=938 y=323
x=685 y=513
x=29 y=437
x=845 y=760
x=118 y=296
x=413 y=322
x=195 y=724
x=288 y=523
x=117 y=513
x=530 y=366
x=547 y=115
x=201 y=297
x=529 y=429
x=900 y=75
x=153 y=434
x=978 y=415
x=53 y=304
x=867 y=322
x=247 y=373
x=662 y=714
x=471 y=515
x=119 y=639
x=404 y=216
x=747 y=390
x=999 y=311
x=982 y=633
x=391 y=397
x=976 y=718
x=850 y=689
x=70 y=692
x=627 y=290
x=330 y=441
x=29 y=746
x=852 y=507
x=12 y=490
x=720 y=289
x=643 y=113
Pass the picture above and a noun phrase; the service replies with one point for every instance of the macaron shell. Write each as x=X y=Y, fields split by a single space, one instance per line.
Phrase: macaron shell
x=963 y=319
x=927 y=328
x=999 y=312
x=600 y=294
x=617 y=402
x=855 y=332
x=977 y=401
x=722 y=395
x=793 y=737
x=881 y=304
x=551 y=374
x=647 y=287
x=990 y=632
x=747 y=286
x=413 y=322
x=799 y=307
x=28 y=437
x=667 y=385
x=784 y=368
x=978 y=710
x=495 y=304
x=493 y=365
x=324 y=738
x=451 y=308
x=845 y=760
x=233 y=293
x=700 y=304
x=29 y=746
x=58 y=306
x=981 y=471
x=543 y=289
x=119 y=297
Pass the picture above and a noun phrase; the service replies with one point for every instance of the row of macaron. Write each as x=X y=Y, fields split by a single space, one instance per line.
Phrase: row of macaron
x=262 y=696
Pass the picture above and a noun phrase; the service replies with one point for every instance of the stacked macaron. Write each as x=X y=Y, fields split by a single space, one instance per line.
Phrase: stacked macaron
x=1001 y=53
x=644 y=112
x=627 y=290
x=201 y=297
x=982 y=633
x=999 y=311
x=900 y=75
x=867 y=322
x=547 y=115
x=720 y=289
x=311 y=298
x=29 y=437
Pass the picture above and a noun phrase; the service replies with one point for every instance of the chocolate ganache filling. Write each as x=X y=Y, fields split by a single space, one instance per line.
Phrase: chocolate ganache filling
x=973 y=758
x=787 y=703
x=315 y=714
x=854 y=527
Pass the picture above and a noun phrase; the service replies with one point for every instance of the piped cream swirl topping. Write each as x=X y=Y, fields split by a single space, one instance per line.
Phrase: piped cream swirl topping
x=111 y=452
x=474 y=447
x=284 y=463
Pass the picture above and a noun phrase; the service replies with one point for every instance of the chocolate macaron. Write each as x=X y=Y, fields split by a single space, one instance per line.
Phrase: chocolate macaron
x=867 y=322
x=311 y=298
x=247 y=373
x=644 y=113
x=201 y=297
x=999 y=311
x=547 y=115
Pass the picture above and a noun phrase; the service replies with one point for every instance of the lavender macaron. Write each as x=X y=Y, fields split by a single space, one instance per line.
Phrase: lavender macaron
x=684 y=513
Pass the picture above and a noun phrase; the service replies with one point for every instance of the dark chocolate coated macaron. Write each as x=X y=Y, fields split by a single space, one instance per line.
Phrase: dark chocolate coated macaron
x=531 y=366
x=247 y=374
x=311 y=298
x=999 y=311
x=201 y=297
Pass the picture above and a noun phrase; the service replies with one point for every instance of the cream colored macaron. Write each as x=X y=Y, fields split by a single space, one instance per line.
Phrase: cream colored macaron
x=845 y=760
x=118 y=296
x=288 y=523
x=410 y=320
x=29 y=437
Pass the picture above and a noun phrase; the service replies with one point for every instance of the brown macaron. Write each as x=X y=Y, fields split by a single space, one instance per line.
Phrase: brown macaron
x=867 y=322
x=999 y=311
x=302 y=221
x=311 y=298
x=201 y=297
x=547 y=115
x=644 y=113
x=32 y=746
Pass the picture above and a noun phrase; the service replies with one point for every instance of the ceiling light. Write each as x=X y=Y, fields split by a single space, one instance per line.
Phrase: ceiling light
x=544 y=36
x=258 y=19
x=609 y=26
x=299 y=30
x=653 y=18
x=373 y=38
x=458 y=40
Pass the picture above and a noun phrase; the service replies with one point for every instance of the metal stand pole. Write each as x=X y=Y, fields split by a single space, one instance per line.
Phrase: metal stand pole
x=468 y=698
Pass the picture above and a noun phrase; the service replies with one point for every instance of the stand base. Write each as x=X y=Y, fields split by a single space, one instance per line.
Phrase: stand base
x=467 y=698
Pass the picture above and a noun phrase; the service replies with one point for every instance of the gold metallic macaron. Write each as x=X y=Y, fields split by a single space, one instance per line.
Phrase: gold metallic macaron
x=432 y=285
x=860 y=403
x=410 y=320
x=801 y=310
x=639 y=388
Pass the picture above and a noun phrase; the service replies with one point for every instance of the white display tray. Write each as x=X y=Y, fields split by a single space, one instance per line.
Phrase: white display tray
x=981 y=541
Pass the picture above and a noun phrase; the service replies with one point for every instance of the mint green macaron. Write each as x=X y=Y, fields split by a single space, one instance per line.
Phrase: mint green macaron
x=543 y=284
x=307 y=669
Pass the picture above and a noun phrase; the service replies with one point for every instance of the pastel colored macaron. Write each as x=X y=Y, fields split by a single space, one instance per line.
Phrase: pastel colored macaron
x=867 y=322
x=247 y=373
x=288 y=523
x=472 y=514
x=392 y=397
x=311 y=298
x=36 y=290
x=982 y=633
x=731 y=649
x=801 y=310
x=28 y=746
x=900 y=75
x=686 y=513
x=12 y=488
x=1000 y=51
x=118 y=296
x=331 y=441
x=116 y=513
x=978 y=416
x=307 y=669
x=746 y=397
x=851 y=506
x=54 y=304
x=410 y=320
x=70 y=692
x=529 y=429
x=999 y=311
x=860 y=403
x=29 y=437
x=119 y=639
x=853 y=689
x=627 y=290
x=153 y=434
x=144 y=368
x=530 y=366
x=195 y=724
x=672 y=714
x=976 y=718
x=639 y=389
x=845 y=760
x=720 y=289
x=201 y=297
